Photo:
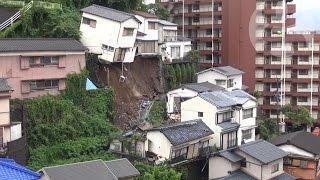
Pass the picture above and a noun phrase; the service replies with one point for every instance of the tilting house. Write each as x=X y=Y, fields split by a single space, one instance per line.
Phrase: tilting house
x=303 y=157
x=231 y=115
x=160 y=37
x=109 y=33
x=255 y=160
x=36 y=67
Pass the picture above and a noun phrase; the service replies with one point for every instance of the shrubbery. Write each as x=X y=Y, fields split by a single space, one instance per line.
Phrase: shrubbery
x=177 y=74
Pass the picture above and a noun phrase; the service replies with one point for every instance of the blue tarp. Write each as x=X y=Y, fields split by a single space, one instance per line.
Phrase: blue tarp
x=9 y=170
x=90 y=85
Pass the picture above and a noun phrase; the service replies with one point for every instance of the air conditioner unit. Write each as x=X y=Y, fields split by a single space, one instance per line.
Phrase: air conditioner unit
x=233 y=120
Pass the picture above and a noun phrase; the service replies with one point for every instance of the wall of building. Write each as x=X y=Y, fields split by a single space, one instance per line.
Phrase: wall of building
x=220 y=167
x=160 y=144
x=212 y=77
x=17 y=70
x=4 y=111
x=182 y=93
x=248 y=123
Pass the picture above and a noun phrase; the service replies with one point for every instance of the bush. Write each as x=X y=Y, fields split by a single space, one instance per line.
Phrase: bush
x=163 y=172
x=177 y=69
x=158 y=113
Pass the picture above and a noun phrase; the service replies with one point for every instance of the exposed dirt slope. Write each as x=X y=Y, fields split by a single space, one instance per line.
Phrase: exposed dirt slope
x=143 y=82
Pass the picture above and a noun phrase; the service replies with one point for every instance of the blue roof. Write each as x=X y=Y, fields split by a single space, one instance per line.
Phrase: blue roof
x=10 y=170
x=90 y=85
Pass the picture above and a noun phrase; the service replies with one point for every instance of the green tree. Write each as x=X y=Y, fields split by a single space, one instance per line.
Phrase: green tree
x=194 y=71
x=193 y=56
x=172 y=78
x=184 y=74
x=159 y=10
x=158 y=113
x=177 y=69
x=189 y=72
x=162 y=172
x=268 y=128
x=300 y=116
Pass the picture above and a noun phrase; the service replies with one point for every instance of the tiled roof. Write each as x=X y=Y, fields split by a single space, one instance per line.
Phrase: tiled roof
x=229 y=126
x=40 y=44
x=184 y=132
x=108 y=13
x=4 y=86
x=225 y=70
x=203 y=87
x=9 y=170
x=145 y=14
x=227 y=99
x=93 y=170
x=284 y=176
x=263 y=151
x=238 y=175
x=122 y=168
x=300 y=139
x=231 y=156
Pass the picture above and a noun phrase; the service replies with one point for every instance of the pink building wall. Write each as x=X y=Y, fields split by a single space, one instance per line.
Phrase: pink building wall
x=16 y=68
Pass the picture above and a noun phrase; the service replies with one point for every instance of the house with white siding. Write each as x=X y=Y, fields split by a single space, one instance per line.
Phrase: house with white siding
x=179 y=142
x=227 y=77
x=230 y=115
x=160 y=37
x=254 y=160
x=109 y=33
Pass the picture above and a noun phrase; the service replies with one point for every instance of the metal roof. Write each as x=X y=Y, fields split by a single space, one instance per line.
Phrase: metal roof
x=225 y=70
x=4 y=86
x=224 y=99
x=95 y=170
x=122 y=168
x=108 y=13
x=203 y=87
x=229 y=126
x=10 y=170
x=184 y=132
x=300 y=139
x=40 y=44
x=263 y=151
x=284 y=176
x=238 y=175
x=231 y=156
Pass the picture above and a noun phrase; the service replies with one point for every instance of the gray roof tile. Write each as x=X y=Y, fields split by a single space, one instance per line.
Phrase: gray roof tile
x=184 y=132
x=108 y=13
x=96 y=170
x=229 y=126
x=225 y=70
x=300 y=139
x=122 y=168
x=40 y=44
x=263 y=151
x=231 y=156
x=203 y=87
x=4 y=86
x=284 y=176
x=238 y=175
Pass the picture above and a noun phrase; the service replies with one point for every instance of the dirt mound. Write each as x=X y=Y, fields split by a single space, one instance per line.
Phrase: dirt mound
x=142 y=82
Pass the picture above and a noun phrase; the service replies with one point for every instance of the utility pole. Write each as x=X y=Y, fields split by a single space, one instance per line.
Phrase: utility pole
x=212 y=35
x=311 y=87
x=183 y=19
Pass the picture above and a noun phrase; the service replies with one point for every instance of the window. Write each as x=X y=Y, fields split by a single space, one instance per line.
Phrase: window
x=175 y=52
x=208 y=44
x=287 y=161
x=107 y=48
x=303 y=72
x=296 y=162
x=196 y=7
x=92 y=23
x=44 y=84
x=209 y=32
x=179 y=153
x=276 y=59
x=224 y=117
x=208 y=57
x=276 y=72
x=275 y=85
x=274 y=168
x=232 y=139
x=200 y=114
x=49 y=60
x=203 y=144
x=128 y=32
x=303 y=59
x=196 y=19
x=303 y=164
x=32 y=61
x=230 y=83
x=151 y=25
x=302 y=99
x=303 y=86
x=247 y=134
x=247 y=113
x=221 y=82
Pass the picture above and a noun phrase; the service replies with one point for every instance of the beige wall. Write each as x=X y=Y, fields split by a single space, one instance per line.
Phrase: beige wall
x=4 y=111
x=161 y=145
x=219 y=167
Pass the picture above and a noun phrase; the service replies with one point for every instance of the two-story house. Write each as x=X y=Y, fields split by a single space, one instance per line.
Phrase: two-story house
x=180 y=141
x=303 y=148
x=109 y=33
x=9 y=131
x=185 y=92
x=160 y=37
x=230 y=115
x=255 y=160
x=35 y=67
x=227 y=77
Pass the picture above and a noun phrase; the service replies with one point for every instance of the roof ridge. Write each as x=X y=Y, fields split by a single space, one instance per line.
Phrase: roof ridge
x=115 y=10
x=20 y=168
x=63 y=165
x=190 y=122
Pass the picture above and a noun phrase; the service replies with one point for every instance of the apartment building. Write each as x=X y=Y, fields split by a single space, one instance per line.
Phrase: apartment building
x=36 y=67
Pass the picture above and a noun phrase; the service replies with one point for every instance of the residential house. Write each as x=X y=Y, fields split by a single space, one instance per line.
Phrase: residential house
x=185 y=92
x=230 y=115
x=179 y=142
x=109 y=33
x=254 y=160
x=10 y=170
x=303 y=148
x=160 y=37
x=227 y=77
x=9 y=131
x=35 y=67
x=120 y=169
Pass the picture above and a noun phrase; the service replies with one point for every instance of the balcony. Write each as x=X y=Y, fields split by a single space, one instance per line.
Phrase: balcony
x=291 y=8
